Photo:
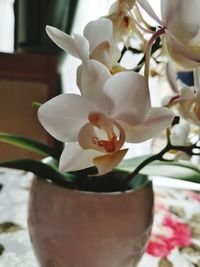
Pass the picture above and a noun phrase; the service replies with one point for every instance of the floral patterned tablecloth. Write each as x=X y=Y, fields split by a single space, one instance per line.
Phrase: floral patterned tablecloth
x=175 y=239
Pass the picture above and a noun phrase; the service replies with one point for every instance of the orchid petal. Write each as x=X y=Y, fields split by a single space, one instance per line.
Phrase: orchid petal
x=87 y=137
x=108 y=162
x=82 y=47
x=184 y=109
x=169 y=10
x=79 y=73
x=196 y=38
x=115 y=54
x=146 y=6
x=179 y=133
x=64 y=115
x=101 y=54
x=187 y=93
x=129 y=94
x=171 y=77
x=62 y=40
x=94 y=76
x=159 y=120
x=74 y=158
x=107 y=54
x=98 y=31
x=187 y=99
x=182 y=17
x=194 y=114
x=181 y=53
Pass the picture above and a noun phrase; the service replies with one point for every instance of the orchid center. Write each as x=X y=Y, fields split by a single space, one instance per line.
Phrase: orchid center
x=101 y=133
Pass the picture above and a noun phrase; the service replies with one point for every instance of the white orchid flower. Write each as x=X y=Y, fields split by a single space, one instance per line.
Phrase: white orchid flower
x=179 y=136
x=189 y=105
x=187 y=99
x=123 y=24
x=112 y=110
x=96 y=42
x=179 y=133
x=181 y=28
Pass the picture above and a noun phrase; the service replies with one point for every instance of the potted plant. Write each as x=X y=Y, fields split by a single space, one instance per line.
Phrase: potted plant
x=88 y=206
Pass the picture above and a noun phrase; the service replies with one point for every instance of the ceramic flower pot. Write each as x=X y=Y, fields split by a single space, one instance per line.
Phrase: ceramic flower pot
x=70 y=228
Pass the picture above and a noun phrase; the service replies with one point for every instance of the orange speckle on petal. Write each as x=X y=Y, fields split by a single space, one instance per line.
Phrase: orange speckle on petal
x=108 y=145
x=93 y=117
x=126 y=21
x=106 y=45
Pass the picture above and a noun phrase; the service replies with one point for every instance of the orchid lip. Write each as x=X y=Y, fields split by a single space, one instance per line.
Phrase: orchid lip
x=102 y=133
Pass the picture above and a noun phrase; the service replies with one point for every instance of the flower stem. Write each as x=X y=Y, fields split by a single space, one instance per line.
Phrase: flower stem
x=138 y=67
x=148 y=54
x=158 y=156
x=154 y=48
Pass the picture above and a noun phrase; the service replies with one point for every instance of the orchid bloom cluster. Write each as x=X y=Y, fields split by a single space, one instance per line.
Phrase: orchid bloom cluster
x=114 y=106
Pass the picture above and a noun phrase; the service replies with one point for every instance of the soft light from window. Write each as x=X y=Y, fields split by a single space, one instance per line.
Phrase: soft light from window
x=7 y=26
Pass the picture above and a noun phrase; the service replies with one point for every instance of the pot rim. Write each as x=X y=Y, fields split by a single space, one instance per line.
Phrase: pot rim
x=147 y=184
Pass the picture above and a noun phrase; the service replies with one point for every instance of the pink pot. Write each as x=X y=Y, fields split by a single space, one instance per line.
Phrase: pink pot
x=70 y=228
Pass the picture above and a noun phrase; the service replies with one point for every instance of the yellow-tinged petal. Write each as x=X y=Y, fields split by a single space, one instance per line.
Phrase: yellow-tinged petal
x=108 y=162
x=107 y=54
x=185 y=55
x=98 y=31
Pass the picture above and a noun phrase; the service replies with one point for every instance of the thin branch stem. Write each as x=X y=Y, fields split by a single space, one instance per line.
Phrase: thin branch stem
x=133 y=50
x=155 y=47
x=149 y=48
x=138 y=67
x=159 y=156
x=146 y=162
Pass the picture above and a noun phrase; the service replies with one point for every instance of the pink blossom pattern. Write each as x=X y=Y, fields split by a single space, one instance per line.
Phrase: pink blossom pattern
x=175 y=234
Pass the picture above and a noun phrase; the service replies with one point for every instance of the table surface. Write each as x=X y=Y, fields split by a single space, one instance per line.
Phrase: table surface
x=174 y=242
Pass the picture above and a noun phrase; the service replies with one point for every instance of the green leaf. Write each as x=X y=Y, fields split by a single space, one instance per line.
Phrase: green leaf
x=9 y=227
x=132 y=163
x=172 y=169
x=1 y=249
x=29 y=144
x=36 y=104
x=41 y=170
x=139 y=181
